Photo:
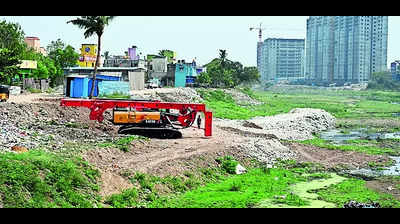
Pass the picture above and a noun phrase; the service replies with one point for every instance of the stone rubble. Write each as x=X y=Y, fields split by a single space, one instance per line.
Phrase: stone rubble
x=298 y=124
x=48 y=125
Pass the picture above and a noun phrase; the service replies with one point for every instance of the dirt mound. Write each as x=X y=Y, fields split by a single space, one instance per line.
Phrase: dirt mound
x=242 y=98
x=48 y=124
x=180 y=95
x=298 y=124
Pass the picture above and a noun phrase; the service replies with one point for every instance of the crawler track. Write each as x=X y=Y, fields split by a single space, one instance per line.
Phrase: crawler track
x=161 y=133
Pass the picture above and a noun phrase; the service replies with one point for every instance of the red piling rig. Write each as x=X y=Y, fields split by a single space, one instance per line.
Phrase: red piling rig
x=98 y=106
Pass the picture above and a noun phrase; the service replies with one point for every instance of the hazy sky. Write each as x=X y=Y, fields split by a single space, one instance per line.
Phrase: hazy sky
x=189 y=36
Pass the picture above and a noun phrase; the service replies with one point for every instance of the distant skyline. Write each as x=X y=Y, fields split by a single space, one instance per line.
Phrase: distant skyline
x=191 y=37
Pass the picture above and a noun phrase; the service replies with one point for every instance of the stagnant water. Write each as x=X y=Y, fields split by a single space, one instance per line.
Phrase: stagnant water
x=337 y=137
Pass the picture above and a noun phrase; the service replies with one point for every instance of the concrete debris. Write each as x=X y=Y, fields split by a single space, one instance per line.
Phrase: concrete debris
x=298 y=124
x=240 y=169
x=180 y=95
x=15 y=90
x=355 y=204
x=46 y=125
x=241 y=98
x=266 y=151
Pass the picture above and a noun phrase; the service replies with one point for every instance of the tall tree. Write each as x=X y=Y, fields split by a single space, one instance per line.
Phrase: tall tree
x=93 y=25
x=54 y=45
x=222 y=56
x=12 y=46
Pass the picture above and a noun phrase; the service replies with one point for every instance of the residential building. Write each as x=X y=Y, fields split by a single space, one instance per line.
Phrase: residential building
x=395 y=70
x=34 y=43
x=88 y=56
x=157 y=67
x=130 y=59
x=281 y=59
x=342 y=49
x=185 y=73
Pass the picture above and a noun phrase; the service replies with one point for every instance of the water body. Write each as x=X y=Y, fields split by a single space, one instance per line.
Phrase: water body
x=371 y=173
x=336 y=136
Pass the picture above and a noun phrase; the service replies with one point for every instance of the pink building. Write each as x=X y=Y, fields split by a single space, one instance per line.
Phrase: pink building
x=34 y=42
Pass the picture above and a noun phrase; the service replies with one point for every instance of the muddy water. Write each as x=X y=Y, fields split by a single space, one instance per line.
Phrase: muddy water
x=370 y=173
x=337 y=137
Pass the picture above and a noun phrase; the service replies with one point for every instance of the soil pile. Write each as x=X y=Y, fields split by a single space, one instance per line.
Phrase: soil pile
x=47 y=124
x=298 y=124
x=180 y=95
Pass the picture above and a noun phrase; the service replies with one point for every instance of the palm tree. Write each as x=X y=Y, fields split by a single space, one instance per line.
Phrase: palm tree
x=93 y=25
x=222 y=57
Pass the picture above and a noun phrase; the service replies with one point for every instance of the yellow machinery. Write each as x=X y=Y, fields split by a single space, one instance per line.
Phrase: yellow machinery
x=136 y=117
x=4 y=93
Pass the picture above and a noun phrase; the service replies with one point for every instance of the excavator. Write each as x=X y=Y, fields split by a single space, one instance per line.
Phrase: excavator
x=150 y=118
x=4 y=93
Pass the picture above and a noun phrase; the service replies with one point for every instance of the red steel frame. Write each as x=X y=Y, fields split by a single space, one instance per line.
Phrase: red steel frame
x=98 y=106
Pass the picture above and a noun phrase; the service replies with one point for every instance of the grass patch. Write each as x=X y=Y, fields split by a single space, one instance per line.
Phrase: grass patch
x=33 y=90
x=371 y=150
x=115 y=95
x=37 y=179
x=228 y=164
x=355 y=190
x=123 y=143
x=239 y=191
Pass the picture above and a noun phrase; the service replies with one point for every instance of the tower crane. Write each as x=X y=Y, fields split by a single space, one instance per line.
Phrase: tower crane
x=260 y=29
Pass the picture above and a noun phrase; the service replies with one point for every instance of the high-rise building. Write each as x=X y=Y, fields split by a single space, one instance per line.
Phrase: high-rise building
x=344 y=49
x=281 y=59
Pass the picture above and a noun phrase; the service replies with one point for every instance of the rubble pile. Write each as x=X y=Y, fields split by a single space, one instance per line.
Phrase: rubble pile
x=49 y=125
x=266 y=151
x=241 y=98
x=355 y=204
x=180 y=95
x=298 y=124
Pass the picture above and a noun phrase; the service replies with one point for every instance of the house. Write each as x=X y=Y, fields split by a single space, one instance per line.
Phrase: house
x=185 y=73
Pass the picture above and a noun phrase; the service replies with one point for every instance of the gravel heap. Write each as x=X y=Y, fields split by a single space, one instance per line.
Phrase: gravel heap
x=180 y=95
x=49 y=125
x=298 y=124
x=241 y=98
x=264 y=150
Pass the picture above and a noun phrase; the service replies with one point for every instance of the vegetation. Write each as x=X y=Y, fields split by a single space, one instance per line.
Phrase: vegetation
x=168 y=54
x=123 y=143
x=383 y=81
x=13 y=49
x=355 y=190
x=115 y=95
x=368 y=149
x=37 y=179
x=12 y=46
x=93 y=25
x=223 y=72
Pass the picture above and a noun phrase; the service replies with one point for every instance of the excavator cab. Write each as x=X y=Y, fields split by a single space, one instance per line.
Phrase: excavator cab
x=4 y=93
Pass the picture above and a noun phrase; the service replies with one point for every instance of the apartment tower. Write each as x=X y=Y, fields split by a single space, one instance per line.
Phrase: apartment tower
x=342 y=49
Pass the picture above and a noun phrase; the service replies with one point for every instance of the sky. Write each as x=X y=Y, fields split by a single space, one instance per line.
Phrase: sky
x=191 y=37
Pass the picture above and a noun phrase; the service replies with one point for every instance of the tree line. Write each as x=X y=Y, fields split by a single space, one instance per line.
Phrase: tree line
x=223 y=72
x=13 y=50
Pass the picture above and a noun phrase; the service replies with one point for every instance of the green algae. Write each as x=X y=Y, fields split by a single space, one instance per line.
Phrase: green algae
x=305 y=190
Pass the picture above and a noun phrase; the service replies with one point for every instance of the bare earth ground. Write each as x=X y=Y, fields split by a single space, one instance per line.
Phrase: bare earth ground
x=385 y=187
x=174 y=156
x=333 y=158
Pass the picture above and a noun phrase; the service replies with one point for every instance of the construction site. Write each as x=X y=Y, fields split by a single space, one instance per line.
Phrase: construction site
x=142 y=161
x=152 y=131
